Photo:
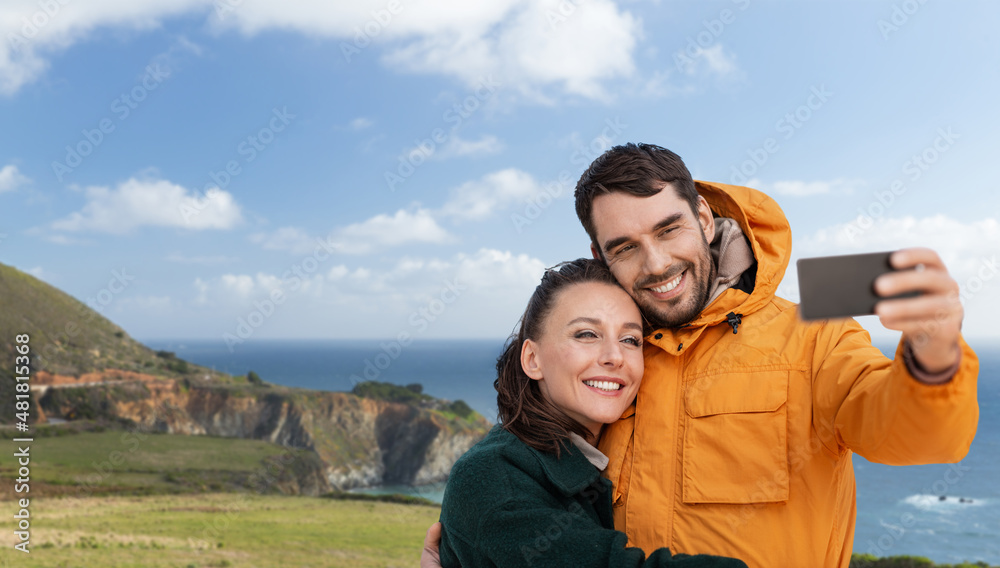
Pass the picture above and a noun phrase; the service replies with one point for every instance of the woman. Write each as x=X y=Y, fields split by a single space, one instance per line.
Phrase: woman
x=530 y=493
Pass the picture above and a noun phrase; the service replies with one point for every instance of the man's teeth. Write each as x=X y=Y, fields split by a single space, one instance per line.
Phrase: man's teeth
x=668 y=286
x=603 y=385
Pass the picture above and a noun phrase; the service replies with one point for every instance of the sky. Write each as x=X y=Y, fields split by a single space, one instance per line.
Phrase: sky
x=241 y=170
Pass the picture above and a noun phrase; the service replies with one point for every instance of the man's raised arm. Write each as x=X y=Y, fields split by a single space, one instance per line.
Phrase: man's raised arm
x=920 y=407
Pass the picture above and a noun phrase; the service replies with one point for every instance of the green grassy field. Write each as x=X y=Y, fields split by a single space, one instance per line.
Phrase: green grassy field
x=91 y=463
x=116 y=499
x=219 y=529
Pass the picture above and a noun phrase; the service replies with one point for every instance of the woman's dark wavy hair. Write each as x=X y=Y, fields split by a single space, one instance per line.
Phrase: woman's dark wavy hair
x=521 y=408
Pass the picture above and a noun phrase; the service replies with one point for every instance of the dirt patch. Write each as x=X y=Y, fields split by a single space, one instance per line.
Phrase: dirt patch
x=45 y=378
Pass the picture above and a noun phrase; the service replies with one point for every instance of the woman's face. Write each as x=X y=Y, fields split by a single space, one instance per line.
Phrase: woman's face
x=588 y=359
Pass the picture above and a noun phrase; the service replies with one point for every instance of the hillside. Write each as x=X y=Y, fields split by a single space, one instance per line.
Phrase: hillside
x=84 y=367
x=68 y=338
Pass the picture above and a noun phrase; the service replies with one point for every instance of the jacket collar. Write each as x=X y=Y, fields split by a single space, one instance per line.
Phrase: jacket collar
x=570 y=473
x=764 y=224
x=770 y=236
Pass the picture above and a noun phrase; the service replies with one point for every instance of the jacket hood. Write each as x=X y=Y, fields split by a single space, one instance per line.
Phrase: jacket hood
x=770 y=236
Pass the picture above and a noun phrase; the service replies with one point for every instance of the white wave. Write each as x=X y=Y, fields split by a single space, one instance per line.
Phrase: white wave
x=936 y=503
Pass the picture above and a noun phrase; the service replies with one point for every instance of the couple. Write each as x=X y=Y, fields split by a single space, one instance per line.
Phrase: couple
x=740 y=439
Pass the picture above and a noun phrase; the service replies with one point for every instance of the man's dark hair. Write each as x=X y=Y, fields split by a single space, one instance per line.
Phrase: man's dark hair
x=521 y=407
x=636 y=169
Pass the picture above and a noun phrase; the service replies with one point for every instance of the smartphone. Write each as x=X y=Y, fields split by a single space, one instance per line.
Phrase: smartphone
x=842 y=286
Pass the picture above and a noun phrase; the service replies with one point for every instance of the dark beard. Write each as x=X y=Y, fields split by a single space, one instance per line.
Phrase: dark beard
x=659 y=316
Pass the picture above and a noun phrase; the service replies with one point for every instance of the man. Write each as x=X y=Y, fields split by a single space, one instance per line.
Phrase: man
x=741 y=437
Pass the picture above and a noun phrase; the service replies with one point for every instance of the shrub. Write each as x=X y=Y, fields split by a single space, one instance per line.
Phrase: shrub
x=460 y=408
x=388 y=392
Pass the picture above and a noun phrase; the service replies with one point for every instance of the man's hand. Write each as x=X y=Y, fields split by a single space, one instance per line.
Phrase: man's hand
x=430 y=558
x=931 y=322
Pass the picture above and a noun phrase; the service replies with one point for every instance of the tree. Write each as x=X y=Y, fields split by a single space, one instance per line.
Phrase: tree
x=460 y=408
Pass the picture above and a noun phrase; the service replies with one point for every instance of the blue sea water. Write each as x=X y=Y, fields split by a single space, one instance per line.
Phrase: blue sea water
x=900 y=510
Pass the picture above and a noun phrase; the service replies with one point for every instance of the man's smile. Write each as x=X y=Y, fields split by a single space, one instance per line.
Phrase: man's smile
x=664 y=288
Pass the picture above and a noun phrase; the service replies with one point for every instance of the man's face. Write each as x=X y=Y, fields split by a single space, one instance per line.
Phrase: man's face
x=658 y=250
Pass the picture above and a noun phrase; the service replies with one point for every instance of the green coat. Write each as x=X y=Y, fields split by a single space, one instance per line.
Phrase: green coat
x=508 y=505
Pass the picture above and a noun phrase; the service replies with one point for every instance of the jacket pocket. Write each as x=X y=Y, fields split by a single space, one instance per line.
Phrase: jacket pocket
x=736 y=438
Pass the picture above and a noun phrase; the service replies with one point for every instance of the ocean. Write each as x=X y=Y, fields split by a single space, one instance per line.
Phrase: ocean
x=900 y=509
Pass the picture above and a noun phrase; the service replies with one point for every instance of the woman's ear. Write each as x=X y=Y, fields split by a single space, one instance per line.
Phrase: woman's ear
x=530 y=360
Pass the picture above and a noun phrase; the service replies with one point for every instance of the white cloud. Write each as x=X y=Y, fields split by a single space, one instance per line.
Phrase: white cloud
x=711 y=61
x=239 y=284
x=378 y=232
x=490 y=269
x=291 y=239
x=580 y=50
x=458 y=147
x=798 y=188
x=719 y=62
x=371 y=17
x=33 y=31
x=204 y=289
x=360 y=123
x=662 y=84
x=155 y=203
x=337 y=272
x=11 y=178
x=478 y=294
x=236 y=289
x=391 y=230
x=955 y=238
x=530 y=46
x=481 y=198
x=454 y=147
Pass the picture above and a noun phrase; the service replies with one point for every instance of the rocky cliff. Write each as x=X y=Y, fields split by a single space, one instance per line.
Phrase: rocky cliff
x=360 y=442
x=84 y=366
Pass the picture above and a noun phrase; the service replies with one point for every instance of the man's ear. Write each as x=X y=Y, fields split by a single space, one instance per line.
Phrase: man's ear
x=594 y=252
x=706 y=219
x=530 y=361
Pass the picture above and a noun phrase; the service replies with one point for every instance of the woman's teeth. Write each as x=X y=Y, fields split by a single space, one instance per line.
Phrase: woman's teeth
x=603 y=385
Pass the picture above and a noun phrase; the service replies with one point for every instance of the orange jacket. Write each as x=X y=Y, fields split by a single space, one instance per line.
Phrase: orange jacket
x=740 y=444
